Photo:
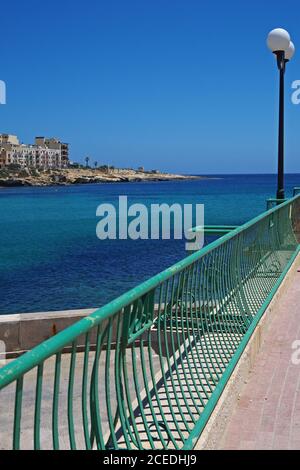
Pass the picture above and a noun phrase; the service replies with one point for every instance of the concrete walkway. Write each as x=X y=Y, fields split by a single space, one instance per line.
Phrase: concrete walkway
x=267 y=415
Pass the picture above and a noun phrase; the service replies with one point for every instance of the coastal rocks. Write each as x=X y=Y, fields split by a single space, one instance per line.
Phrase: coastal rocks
x=24 y=173
x=12 y=182
x=59 y=179
x=81 y=180
x=96 y=179
x=34 y=177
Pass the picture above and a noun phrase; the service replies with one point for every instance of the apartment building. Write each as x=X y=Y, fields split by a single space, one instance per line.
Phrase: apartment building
x=54 y=144
x=45 y=153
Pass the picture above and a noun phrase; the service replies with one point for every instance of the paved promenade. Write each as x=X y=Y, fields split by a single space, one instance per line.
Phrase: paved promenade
x=267 y=415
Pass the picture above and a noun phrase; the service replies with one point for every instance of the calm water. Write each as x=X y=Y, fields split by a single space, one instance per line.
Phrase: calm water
x=51 y=259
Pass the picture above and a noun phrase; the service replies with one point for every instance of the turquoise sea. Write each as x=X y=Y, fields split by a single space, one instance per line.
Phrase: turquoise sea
x=51 y=259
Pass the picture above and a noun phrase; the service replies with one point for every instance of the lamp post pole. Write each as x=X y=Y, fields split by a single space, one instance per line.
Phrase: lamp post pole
x=280 y=43
x=280 y=175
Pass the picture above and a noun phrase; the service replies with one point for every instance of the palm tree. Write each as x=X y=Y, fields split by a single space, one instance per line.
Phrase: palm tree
x=95 y=164
x=87 y=159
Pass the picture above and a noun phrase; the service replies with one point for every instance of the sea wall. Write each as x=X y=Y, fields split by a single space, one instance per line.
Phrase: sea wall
x=21 y=332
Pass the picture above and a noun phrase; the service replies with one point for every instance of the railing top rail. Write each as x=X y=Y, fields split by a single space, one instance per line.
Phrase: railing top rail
x=43 y=351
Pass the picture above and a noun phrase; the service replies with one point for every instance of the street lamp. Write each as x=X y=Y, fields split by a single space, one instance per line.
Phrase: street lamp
x=280 y=43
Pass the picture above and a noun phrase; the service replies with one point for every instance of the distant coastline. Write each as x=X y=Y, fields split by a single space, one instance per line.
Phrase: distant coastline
x=69 y=176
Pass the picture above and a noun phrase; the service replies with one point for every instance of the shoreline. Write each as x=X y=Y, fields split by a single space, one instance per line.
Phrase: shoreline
x=68 y=177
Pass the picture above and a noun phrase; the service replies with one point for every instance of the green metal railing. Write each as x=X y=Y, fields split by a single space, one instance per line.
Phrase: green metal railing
x=214 y=229
x=296 y=190
x=155 y=360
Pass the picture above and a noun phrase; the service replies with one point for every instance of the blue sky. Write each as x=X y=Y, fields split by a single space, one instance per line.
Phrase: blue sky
x=179 y=85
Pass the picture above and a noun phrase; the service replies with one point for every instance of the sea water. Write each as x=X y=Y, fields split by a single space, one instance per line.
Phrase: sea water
x=51 y=258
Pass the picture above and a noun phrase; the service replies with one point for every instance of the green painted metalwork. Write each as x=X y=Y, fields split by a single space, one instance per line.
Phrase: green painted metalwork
x=146 y=370
x=296 y=191
x=272 y=201
x=214 y=229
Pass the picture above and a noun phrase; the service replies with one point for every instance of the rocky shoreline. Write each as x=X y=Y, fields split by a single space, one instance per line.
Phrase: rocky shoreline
x=69 y=176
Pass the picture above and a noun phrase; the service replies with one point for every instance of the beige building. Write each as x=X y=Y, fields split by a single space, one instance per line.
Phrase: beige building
x=55 y=144
x=45 y=153
x=9 y=139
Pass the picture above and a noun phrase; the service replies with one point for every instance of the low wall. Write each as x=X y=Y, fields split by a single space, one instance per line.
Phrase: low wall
x=21 y=332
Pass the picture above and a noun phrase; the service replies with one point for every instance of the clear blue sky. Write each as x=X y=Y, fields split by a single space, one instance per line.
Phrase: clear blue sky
x=180 y=85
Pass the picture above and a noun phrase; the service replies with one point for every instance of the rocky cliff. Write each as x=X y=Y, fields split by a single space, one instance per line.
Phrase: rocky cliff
x=26 y=177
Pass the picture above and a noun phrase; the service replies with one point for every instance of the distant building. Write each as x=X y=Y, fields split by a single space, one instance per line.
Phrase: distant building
x=55 y=144
x=46 y=153
x=9 y=139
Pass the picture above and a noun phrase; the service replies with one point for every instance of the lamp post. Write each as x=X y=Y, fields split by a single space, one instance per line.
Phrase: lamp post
x=280 y=43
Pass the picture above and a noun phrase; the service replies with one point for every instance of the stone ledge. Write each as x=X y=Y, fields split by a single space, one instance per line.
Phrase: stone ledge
x=21 y=332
